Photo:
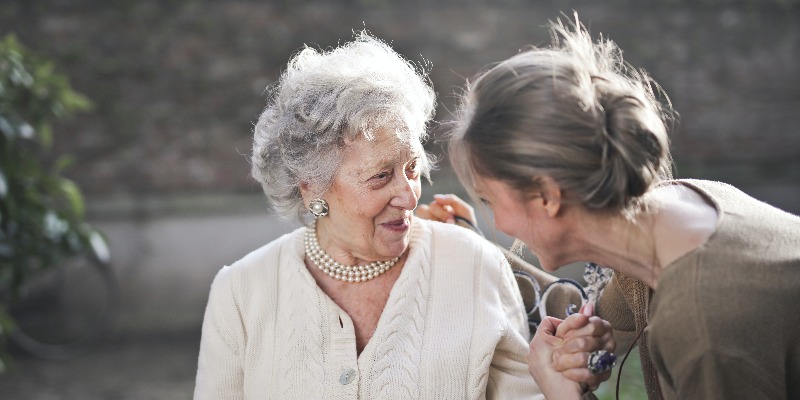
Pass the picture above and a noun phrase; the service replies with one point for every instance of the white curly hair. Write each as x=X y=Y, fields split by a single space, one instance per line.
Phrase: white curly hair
x=326 y=99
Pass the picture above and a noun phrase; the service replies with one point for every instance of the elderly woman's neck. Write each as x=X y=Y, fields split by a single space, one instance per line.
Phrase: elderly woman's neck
x=331 y=243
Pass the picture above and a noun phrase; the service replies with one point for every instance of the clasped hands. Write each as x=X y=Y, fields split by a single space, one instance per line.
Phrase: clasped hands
x=560 y=349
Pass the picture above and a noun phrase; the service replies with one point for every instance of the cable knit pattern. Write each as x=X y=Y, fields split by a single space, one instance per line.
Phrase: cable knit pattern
x=479 y=384
x=480 y=370
x=397 y=356
x=300 y=362
x=452 y=328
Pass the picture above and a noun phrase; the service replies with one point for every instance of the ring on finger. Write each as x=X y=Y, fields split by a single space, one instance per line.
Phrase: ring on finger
x=600 y=361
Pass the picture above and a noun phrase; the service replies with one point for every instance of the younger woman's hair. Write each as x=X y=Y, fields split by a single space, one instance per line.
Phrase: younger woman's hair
x=573 y=111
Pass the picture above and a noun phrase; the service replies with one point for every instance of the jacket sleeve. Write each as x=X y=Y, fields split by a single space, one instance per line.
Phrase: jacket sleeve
x=219 y=367
x=614 y=308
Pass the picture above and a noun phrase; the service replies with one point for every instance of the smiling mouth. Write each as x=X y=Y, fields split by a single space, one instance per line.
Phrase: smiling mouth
x=396 y=224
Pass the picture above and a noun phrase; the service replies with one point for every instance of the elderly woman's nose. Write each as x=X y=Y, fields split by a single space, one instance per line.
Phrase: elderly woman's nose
x=405 y=194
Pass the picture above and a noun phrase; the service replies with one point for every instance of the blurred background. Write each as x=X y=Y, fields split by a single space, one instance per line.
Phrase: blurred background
x=177 y=85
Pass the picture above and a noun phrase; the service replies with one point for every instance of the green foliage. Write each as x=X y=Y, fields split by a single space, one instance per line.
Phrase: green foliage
x=41 y=212
x=631 y=382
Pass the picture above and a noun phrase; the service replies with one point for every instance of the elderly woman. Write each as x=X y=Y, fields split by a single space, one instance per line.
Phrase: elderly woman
x=569 y=149
x=364 y=301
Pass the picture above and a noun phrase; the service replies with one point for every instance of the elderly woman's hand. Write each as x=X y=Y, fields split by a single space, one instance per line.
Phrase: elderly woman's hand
x=569 y=344
x=445 y=208
x=554 y=384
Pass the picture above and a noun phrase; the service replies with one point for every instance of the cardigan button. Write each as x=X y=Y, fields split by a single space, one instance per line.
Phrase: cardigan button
x=347 y=376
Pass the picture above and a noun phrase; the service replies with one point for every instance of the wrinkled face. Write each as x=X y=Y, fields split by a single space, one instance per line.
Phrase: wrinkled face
x=372 y=199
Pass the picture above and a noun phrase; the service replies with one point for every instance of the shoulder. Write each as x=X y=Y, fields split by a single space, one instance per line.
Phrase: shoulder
x=744 y=218
x=452 y=246
x=708 y=185
x=711 y=191
x=730 y=199
x=454 y=249
x=454 y=235
x=477 y=269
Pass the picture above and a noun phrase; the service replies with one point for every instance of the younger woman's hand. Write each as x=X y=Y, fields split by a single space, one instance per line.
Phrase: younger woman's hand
x=582 y=333
x=445 y=208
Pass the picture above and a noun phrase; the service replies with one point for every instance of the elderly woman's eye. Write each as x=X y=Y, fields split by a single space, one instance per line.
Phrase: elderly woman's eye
x=382 y=175
x=413 y=169
x=485 y=202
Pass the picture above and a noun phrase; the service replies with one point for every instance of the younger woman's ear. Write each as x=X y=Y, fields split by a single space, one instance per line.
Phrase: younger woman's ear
x=551 y=195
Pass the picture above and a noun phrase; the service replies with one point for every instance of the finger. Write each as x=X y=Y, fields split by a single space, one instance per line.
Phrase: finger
x=544 y=341
x=574 y=352
x=565 y=361
x=609 y=344
x=460 y=207
x=452 y=200
x=590 y=343
x=585 y=344
x=572 y=323
x=586 y=388
x=587 y=309
x=592 y=326
x=549 y=325
x=423 y=211
x=439 y=212
x=450 y=214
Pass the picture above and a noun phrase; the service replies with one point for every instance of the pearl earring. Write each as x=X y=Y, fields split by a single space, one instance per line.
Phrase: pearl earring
x=318 y=207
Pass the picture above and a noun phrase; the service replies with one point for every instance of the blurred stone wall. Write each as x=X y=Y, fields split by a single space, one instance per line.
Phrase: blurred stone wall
x=178 y=84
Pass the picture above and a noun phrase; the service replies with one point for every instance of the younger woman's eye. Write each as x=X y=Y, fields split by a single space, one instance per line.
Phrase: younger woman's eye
x=485 y=202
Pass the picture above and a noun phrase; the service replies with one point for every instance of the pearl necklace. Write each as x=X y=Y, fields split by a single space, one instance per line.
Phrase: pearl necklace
x=348 y=273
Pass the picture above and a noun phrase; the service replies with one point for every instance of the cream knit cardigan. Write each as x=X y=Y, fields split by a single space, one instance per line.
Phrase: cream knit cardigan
x=453 y=328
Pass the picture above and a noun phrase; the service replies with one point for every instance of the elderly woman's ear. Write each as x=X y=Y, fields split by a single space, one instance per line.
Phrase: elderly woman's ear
x=308 y=193
x=305 y=193
x=313 y=201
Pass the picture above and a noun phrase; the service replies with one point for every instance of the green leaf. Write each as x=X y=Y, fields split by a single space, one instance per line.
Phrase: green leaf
x=41 y=212
x=73 y=195
x=74 y=101
x=62 y=163
x=45 y=135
